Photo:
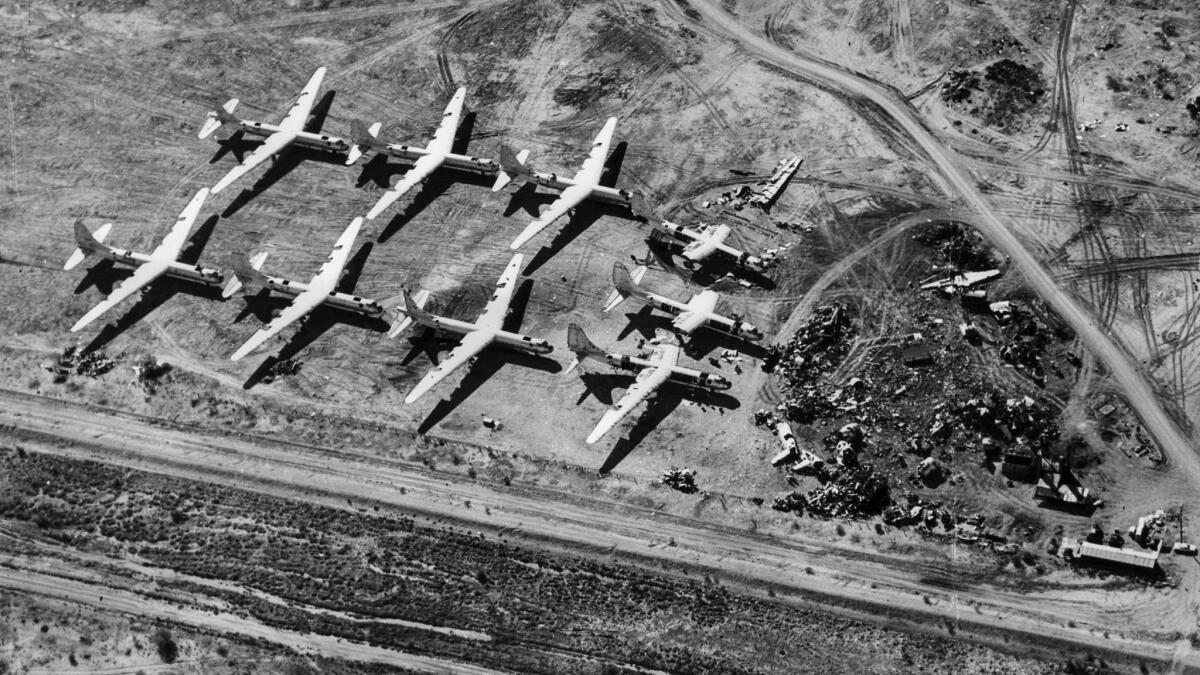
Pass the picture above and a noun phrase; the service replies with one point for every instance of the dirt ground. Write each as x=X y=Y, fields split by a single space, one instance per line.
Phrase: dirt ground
x=103 y=102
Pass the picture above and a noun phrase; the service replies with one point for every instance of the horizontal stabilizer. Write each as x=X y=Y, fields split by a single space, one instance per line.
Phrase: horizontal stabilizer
x=512 y=167
x=247 y=275
x=625 y=285
x=87 y=243
x=365 y=138
x=413 y=309
x=578 y=342
x=219 y=117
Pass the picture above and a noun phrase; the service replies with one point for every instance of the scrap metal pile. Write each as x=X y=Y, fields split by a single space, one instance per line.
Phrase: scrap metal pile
x=683 y=480
x=75 y=362
x=817 y=347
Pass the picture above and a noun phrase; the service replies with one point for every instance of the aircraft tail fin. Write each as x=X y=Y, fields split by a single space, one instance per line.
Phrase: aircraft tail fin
x=87 y=243
x=625 y=284
x=247 y=275
x=413 y=310
x=364 y=138
x=578 y=342
x=513 y=166
x=218 y=118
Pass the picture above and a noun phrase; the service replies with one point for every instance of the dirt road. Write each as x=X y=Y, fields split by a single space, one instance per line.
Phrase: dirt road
x=1138 y=392
x=831 y=575
x=110 y=599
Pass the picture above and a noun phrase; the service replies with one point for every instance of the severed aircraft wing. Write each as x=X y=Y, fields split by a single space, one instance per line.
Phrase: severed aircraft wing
x=471 y=344
x=570 y=198
x=173 y=243
x=593 y=166
x=421 y=170
x=140 y=278
x=272 y=145
x=319 y=288
x=496 y=309
x=443 y=138
x=648 y=381
x=298 y=115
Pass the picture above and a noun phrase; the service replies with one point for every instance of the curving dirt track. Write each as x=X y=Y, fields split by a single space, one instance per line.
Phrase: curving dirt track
x=1132 y=380
x=808 y=571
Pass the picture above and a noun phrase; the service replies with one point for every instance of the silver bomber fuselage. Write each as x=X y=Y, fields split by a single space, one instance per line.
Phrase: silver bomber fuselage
x=344 y=301
x=506 y=338
x=451 y=160
x=601 y=193
x=688 y=376
x=178 y=270
x=302 y=138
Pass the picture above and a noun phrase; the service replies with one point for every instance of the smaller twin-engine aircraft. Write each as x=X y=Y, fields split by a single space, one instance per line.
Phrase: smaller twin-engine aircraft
x=163 y=260
x=702 y=242
x=488 y=328
x=587 y=183
x=698 y=311
x=276 y=139
x=661 y=366
x=425 y=160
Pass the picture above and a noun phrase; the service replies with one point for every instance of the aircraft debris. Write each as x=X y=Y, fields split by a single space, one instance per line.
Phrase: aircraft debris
x=683 y=480
x=72 y=361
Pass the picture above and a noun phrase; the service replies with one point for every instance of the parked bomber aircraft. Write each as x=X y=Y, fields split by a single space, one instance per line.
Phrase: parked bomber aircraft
x=276 y=138
x=488 y=328
x=662 y=366
x=698 y=311
x=427 y=160
x=585 y=185
x=163 y=260
x=320 y=290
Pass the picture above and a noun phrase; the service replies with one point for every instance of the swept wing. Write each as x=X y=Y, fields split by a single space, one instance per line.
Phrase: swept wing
x=271 y=146
x=570 y=198
x=318 y=289
x=298 y=115
x=471 y=344
x=593 y=166
x=443 y=138
x=160 y=260
x=648 y=380
x=424 y=166
x=494 y=312
x=141 y=277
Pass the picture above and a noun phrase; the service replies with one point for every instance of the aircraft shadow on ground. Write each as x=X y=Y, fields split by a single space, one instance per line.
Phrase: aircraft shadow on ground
x=601 y=386
x=667 y=399
x=485 y=366
x=161 y=291
x=705 y=340
x=424 y=195
x=316 y=323
x=287 y=161
x=613 y=164
x=584 y=216
x=491 y=360
x=647 y=323
x=707 y=272
x=104 y=275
